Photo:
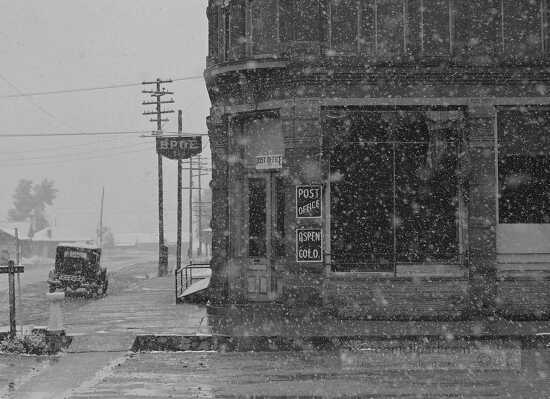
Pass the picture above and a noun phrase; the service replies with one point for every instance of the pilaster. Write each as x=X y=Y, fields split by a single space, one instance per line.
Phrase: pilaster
x=482 y=209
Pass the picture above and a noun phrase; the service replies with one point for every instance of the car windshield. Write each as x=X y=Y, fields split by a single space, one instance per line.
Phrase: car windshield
x=74 y=254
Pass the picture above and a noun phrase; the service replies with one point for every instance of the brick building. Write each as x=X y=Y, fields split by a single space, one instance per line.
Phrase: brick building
x=381 y=158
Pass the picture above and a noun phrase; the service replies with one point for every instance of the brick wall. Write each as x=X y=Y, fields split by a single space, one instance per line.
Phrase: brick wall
x=523 y=297
x=397 y=298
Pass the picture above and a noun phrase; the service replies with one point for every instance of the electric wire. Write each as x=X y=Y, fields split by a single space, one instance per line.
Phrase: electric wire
x=87 y=89
x=33 y=103
x=61 y=147
x=18 y=164
x=147 y=133
x=71 y=154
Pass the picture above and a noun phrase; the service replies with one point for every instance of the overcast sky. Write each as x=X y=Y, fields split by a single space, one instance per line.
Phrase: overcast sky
x=66 y=44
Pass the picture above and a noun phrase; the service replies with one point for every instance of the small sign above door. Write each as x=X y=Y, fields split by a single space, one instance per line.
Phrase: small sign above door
x=269 y=161
x=309 y=201
x=309 y=245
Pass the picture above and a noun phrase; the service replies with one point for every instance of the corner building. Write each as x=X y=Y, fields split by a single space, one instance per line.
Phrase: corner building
x=426 y=126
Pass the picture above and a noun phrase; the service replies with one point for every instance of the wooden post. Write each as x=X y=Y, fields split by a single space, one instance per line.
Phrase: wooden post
x=18 y=263
x=190 y=249
x=11 y=269
x=178 y=245
x=11 y=295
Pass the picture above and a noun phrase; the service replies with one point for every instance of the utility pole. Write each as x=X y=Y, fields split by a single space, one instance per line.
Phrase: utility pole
x=190 y=249
x=178 y=247
x=100 y=232
x=199 y=253
x=158 y=93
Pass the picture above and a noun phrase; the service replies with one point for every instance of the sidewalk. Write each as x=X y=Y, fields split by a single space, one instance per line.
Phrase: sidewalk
x=141 y=304
x=144 y=307
x=267 y=350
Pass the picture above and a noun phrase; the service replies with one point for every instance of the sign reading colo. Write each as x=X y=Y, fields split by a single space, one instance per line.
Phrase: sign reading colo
x=176 y=147
x=309 y=245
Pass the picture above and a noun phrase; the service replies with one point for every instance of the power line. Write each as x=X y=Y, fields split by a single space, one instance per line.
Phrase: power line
x=55 y=134
x=94 y=88
x=62 y=147
x=109 y=156
x=32 y=102
x=60 y=155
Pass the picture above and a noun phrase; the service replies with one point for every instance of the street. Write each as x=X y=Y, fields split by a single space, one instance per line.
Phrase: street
x=100 y=364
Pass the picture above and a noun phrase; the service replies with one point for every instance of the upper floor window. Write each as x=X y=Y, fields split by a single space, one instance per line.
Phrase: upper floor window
x=344 y=24
x=264 y=29
x=479 y=31
x=524 y=166
x=522 y=26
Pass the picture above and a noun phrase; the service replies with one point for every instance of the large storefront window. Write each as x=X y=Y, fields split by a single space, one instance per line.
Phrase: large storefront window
x=524 y=166
x=394 y=191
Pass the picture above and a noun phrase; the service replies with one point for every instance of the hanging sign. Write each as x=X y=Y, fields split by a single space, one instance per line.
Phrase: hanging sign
x=184 y=147
x=309 y=201
x=309 y=245
x=269 y=161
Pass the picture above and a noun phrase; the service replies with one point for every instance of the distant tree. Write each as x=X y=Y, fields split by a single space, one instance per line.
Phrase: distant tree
x=30 y=201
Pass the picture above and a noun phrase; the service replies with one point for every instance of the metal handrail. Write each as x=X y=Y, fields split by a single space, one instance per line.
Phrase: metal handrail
x=184 y=276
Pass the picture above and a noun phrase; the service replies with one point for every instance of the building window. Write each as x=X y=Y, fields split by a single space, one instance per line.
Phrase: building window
x=280 y=205
x=257 y=229
x=477 y=29
x=394 y=191
x=308 y=21
x=389 y=28
x=435 y=30
x=367 y=32
x=524 y=166
x=286 y=20
x=522 y=27
x=238 y=29
x=264 y=26
x=213 y=32
x=344 y=23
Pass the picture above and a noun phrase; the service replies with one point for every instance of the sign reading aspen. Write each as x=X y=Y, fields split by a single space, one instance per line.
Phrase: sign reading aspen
x=309 y=245
x=309 y=201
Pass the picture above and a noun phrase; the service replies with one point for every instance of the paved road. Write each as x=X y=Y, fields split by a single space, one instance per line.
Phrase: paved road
x=36 y=272
x=34 y=285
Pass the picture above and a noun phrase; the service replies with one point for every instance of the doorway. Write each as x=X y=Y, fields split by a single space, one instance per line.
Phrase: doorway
x=266 y=234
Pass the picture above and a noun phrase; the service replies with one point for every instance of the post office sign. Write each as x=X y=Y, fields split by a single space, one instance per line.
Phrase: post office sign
x=309 y=201
x=269 y=161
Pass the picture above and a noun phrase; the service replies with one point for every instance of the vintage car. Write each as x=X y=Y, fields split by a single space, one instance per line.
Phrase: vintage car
x=77 y=270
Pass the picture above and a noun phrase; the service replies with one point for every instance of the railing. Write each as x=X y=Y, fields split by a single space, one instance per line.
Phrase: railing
x=188 y=274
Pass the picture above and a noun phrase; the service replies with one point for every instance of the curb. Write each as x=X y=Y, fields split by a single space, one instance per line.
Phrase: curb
x=218 y=343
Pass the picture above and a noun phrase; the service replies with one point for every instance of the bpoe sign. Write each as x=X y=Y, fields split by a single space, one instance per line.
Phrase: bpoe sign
x=175 y=147
x=309 y=201
x=309 y=245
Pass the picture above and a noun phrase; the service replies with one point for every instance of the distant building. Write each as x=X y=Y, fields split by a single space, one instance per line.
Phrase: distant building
x=381 y=158
x=45 y=241
x=8 y=240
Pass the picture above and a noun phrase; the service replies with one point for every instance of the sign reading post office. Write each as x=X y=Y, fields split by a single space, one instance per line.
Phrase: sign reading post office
x=179 y=147
x=309 y=245
x=309 y=201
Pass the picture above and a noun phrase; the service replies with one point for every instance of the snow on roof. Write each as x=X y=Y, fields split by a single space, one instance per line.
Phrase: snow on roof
x=78 y=245
x=58 y=234
x=23 y=229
